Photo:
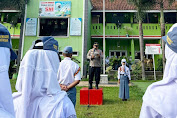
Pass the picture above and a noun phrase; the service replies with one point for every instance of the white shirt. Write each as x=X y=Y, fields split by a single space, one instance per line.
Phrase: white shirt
x=67 y=70
x=38 y=92
x=127 y=72
x=6 y=101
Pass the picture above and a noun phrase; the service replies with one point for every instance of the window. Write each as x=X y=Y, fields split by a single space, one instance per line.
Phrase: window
x=151 y=18
x=170 y=17
x=117 y=53
x=137 y=55
x=53 y=26
x=75 y=53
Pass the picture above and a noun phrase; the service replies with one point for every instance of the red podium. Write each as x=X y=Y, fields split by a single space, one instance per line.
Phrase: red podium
x=91 y=96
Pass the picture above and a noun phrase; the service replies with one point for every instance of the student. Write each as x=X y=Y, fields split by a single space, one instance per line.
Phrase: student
x=124 y=79
x=38 y=93
x=69 y=74
x=160 y=98
x=6 y=54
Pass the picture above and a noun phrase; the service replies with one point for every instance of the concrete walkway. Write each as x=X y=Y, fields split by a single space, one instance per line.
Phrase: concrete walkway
x=110 y=84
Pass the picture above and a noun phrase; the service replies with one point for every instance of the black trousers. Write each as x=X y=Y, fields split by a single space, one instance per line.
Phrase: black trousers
x=94 y=71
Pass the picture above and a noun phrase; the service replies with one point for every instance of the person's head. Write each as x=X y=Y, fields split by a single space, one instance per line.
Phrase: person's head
x=68 y=51
x=5 y=41
x=123 y=61
x=171 y=40
x=95 y=45
x=46 y=43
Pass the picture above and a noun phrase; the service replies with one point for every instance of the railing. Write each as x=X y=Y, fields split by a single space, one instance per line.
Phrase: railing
x=14 y=31
x=113 y=30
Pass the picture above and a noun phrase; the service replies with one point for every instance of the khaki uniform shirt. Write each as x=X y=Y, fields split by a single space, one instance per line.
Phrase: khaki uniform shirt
x=96 y=61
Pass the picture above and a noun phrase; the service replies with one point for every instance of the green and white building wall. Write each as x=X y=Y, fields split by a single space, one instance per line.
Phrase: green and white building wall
x=65 y=20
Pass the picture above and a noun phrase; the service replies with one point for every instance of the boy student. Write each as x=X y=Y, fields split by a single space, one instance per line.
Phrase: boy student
x=69 y=74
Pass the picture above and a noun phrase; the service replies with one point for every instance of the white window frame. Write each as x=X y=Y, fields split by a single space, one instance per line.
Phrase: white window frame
x=117 y=51
x=68 y=33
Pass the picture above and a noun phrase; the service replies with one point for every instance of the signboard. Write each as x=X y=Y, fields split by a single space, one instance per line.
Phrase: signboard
x=31 y=25
x=55 y=8
x=153 y=49
x=76 y=26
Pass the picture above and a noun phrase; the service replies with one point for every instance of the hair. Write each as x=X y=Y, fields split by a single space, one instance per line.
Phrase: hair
x=67 y=55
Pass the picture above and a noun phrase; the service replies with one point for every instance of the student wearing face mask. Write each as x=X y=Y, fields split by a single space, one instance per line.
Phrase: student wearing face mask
x=123 y=80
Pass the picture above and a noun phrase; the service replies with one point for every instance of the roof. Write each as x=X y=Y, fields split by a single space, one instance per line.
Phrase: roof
x=8 y=7
x=123 y=5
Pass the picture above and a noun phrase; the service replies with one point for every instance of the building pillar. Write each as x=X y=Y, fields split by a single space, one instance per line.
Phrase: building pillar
x=2 y=17
x=133 y=50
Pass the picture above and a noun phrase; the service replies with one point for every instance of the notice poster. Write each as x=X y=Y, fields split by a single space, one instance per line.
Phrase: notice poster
x=153 y=49
x=55 y=8
x=31 y=25
x=76 y=26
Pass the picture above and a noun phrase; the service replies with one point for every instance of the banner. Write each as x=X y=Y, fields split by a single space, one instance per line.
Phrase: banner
x=31 y=25
x=153 y=49
x=55 y=8
x=75 y=26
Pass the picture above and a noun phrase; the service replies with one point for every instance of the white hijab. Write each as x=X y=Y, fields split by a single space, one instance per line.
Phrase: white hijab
x=6 y=101
x=162 y=95
x=39 y=94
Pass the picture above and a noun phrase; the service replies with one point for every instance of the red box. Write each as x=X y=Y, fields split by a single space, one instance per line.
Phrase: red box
x=91 y=96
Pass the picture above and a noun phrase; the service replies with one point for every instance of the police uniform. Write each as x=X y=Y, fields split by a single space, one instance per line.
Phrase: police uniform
x=124 y=77
x=95 y=65
x=68 y=72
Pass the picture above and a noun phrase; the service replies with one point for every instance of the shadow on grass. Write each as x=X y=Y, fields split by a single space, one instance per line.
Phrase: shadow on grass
x=110 y=101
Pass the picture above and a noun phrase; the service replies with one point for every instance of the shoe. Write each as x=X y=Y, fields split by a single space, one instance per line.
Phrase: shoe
x=97 y=86
x=90 y=86
x=123 y=99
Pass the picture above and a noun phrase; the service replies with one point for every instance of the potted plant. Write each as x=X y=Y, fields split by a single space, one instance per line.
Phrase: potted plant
x=128 y=30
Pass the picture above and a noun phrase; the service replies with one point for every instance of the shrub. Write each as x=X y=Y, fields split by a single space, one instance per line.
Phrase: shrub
x=136 y=70
x=160 y=64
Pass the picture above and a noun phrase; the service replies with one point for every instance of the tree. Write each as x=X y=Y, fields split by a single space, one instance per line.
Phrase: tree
x=16 y=5
x=141 y=6
x=162 y=24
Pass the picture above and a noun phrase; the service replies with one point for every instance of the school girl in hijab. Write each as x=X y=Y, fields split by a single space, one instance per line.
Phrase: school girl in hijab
x=160 y=98
x=123 y=80
x=6 y=54
x=38 y=92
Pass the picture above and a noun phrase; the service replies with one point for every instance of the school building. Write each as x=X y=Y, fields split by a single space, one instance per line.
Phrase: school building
x=122 y=28
x=79 y=23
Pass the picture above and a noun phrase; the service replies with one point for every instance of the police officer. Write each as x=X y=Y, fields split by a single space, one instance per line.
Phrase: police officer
x=95 y=56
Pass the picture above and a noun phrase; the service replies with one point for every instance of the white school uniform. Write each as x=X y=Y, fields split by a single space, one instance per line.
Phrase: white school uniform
x=38 y=92
x=6 y=101
x=127 y=72
x=160 y=98
x=67 y=70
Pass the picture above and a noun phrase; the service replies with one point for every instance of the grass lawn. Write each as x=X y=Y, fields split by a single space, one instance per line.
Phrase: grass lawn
x=113 y=107
x=143 y=84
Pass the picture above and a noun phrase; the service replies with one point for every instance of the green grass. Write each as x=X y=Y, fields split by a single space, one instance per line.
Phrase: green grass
x=143 y=84
x=112 y=106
